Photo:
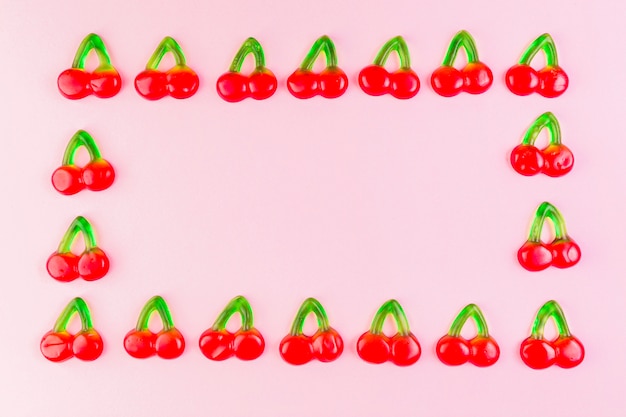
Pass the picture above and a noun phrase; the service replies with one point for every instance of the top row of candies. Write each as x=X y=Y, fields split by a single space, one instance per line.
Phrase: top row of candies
x=181 y=81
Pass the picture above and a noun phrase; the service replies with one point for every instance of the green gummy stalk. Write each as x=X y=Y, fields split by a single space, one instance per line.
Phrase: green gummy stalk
x=250 y=46
x=80 y=138
x=547 y=210
x=398 y=45
x=91 y=41
x=545 y=43
x=545 y=121
x=155 y=303
x=168 y=44
x=470 y=311
x=79 y=225
x=77 y=305
x=550 y=309
x=461 y=40
x=237 y=305
x=397 y=312
x=310 y=305
x=323 y=44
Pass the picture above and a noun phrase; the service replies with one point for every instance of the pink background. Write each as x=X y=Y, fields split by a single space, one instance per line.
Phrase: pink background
x=352 y=201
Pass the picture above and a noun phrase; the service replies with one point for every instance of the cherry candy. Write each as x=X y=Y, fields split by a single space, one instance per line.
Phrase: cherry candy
x=475 y=78
x=375 y=80
x=551 y=81
x=325 y=345
x=482 y=350
x=179 y=82
x=259 y=85
x=104 y=82
x=59 y=345
x=566 y=351
x=97 y=175
x=247 y=343
x=142 y=343
x=91 y=265
x=332 y=82
x=555 y=160
x=403 y=349
x=562 y=252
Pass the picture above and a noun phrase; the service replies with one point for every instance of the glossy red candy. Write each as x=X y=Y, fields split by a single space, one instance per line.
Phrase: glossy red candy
x=565 y=351
x=326 y=345
x=259 y=85
x=332 y=82
x=475 y=78
x=104 y=82
x=482 y=350
x=522 y=79
x=537 y=354
x=59 y=345
x=179 y=82
x=551 y=81
x=247 y=343
x=91 y=265
x=96 y=175
x=403 y=83
x=169 y=344
x=562 y=252
x=374 y=348
x=453 y=350
x=142 y=343
x=63 y=266
x=555 y=160
x=402 y=349
x=296 y=349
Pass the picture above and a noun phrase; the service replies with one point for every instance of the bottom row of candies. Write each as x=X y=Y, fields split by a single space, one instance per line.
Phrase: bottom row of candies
x=326 y=345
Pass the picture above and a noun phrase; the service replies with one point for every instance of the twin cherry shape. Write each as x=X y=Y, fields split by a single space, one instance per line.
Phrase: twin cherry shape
x=326 y=345
x=182 y=82
x=562 y=252
x=555 y=160
x=93 y=264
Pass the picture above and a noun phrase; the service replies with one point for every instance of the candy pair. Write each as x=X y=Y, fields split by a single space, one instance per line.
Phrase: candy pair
x=97 y=175
x=179 y=82
x=91 y=265
x=555 y=160
x=562 y=252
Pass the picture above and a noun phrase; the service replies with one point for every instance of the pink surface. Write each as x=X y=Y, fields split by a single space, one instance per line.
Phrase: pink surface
x=352 y=201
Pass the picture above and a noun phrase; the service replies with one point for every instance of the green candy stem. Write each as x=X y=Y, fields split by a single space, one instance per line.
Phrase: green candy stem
x=79 y=225
x=545 y=121
x=323 y=44
x=470 y=311
x=398 y=45
x=550 y=309
x=77 y=305
x=158 y=304
x=168 y=44
x=545 y=43
x=91 y=41
x=547 y=211
x=310 y=305
x=250 y=46
x=237 y=305
x=393 y=308
x=80 y=138
x=461 y=40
